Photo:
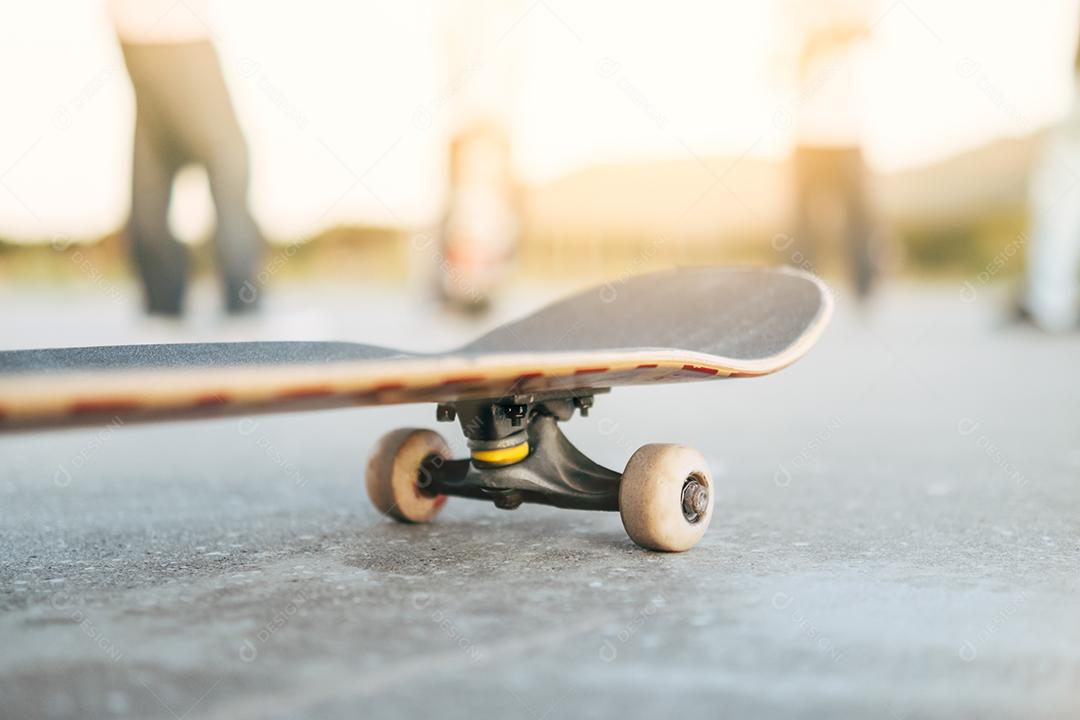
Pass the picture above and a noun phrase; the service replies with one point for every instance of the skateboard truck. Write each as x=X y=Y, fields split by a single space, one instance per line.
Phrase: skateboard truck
x=518 y=454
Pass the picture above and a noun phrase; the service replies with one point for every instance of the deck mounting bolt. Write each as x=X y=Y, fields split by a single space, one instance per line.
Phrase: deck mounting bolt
x=516 y=413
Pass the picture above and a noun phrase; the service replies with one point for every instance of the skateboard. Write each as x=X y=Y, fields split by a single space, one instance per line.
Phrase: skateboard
x=509 y=390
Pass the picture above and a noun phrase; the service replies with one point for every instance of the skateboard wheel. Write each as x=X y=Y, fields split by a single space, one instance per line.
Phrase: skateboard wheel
x=393 y=474
x=666 y=497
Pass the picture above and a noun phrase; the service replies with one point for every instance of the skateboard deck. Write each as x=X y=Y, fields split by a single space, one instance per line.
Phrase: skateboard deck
x=671 y=326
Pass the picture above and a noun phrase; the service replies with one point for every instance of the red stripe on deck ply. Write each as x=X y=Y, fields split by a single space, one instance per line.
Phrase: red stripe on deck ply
x=374 y=394
x=303 y=393
x=387 y=387
x=520 y=380
x=363 y=395
x=95 y=407
x=703 y=370
x=586 y=371
x=645 y=366
x=459 y=379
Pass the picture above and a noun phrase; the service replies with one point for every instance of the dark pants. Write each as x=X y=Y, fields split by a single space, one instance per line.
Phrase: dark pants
x=183 y=117
x=838 y=174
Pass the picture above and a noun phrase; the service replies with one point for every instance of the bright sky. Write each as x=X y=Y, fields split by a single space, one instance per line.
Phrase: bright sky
x=330 y=91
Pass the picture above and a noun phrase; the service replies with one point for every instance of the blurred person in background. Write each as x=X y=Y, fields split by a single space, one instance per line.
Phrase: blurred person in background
x=480 y=228
x=831 y=183
x=1051 y=293
x=481 y=224
x=183 y=116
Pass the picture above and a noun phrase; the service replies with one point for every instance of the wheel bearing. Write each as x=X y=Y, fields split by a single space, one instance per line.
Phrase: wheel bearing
x=695 y=498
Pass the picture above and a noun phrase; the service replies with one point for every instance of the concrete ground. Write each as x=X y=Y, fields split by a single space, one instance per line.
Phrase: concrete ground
x=897 y=536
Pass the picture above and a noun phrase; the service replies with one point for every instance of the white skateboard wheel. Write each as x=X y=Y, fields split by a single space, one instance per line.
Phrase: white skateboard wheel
x=394 y=474
x=666 y=497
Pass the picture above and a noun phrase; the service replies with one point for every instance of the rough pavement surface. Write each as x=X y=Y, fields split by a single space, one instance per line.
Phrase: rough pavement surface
x=897 y=535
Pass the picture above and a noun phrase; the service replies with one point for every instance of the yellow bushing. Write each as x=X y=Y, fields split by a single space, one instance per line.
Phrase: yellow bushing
x=502 y=456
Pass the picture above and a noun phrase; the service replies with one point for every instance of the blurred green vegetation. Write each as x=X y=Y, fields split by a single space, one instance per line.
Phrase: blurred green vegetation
x=956 y=248
x=928 y=249
x=353 y=251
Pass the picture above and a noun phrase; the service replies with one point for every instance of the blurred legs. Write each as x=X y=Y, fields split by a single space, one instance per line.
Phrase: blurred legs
x=828 y=178
x=162 y=261
x=858 y=227
x=185 y=116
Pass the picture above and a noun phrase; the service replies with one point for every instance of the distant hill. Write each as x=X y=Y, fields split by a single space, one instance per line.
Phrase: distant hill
x=632 y=200
x=965 y=187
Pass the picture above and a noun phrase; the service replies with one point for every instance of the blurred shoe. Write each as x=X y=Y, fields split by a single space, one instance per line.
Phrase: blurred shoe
x=242 y=298
x=1052 y=314
x=1019 y=313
